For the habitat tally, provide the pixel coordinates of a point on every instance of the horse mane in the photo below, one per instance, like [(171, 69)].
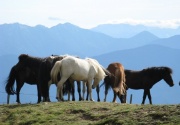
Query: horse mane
[(94, 62), (155, 69)]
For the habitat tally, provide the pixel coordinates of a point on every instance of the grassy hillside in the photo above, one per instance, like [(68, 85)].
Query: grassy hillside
[(89, 113)]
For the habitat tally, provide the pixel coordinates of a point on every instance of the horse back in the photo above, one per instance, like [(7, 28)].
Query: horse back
[(136, 79)]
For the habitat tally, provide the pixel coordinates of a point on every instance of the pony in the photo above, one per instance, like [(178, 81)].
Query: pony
[(147, 78), (116, 81), (73, 68), (25, 70)]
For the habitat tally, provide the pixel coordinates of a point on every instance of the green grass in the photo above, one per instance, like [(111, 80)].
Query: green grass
[(86, 113)]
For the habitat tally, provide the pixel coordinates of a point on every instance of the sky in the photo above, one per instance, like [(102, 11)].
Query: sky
[(90, 13)]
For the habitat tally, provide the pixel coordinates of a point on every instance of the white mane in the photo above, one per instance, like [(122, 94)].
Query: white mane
[(99, 67)]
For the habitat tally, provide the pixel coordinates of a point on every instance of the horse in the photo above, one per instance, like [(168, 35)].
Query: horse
[(28, 70), (73, 68), (116, 81), (45, 80), (147, 78)]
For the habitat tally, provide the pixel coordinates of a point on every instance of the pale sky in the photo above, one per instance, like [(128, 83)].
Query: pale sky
[(90, 13)]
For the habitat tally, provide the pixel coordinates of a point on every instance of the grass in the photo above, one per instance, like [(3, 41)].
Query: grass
[(87, 113)]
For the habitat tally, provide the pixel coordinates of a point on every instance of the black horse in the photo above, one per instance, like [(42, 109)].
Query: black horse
[(146, 78), (25, 70), (32, 70)]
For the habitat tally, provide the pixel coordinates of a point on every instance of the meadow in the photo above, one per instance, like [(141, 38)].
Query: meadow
[(86, 113)]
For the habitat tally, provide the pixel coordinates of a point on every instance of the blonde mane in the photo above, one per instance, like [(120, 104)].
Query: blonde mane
[(99, 67)]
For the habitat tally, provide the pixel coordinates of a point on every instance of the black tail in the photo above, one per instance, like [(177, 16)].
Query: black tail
[(10, 82)]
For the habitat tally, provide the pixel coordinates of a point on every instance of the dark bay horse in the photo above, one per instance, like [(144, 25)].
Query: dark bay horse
[(25, 70), (146, 78), (116, 81)]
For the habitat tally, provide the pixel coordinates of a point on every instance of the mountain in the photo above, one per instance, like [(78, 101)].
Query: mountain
[(173, 42), (62, 39), (137, 52), (144, 57), (127, 30)]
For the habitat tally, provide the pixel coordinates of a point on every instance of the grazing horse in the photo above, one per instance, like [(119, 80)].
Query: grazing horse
[(73, 68), (116, 81), (146, 78)]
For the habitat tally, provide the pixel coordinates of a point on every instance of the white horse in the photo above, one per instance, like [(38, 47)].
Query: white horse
[(77, 69)]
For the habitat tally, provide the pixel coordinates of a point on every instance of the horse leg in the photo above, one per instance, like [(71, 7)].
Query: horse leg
[(105, 92), (87, 96), (79, 90), (73, 90), (49, 84), (144, 96), (39, 93), (90, 89), (149, 96), (115, 95), (59, 94), (97, 90), (84, 89), (18, 89)]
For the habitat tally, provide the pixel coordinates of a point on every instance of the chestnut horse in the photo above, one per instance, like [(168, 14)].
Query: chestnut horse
[(116, 81)]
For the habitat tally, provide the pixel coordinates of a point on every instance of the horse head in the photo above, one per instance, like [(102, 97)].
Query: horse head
[(167, 76)]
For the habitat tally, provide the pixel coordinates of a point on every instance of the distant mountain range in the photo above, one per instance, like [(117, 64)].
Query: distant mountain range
[(67, 38), (140, 50), (127, 30)]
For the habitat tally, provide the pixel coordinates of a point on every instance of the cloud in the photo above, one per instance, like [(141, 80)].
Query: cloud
[(54, 19), (57, 19), (172, 23)]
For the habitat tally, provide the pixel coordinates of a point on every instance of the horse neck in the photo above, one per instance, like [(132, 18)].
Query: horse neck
[(157, 76)]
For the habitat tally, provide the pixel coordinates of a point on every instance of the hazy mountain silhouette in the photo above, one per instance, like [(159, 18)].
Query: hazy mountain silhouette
[(127, 30)]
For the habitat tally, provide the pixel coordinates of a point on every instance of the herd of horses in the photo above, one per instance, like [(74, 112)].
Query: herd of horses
[(65, 70)]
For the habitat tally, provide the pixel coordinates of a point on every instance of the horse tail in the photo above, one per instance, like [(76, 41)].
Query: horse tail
[(10, 82), (120, 79), (123, 81), (54, 72)]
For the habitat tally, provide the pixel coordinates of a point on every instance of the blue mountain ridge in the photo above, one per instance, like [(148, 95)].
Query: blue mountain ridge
[(140, 51), (128, 30)]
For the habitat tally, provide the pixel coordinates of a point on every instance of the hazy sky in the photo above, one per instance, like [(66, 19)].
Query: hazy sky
[(89, 13)]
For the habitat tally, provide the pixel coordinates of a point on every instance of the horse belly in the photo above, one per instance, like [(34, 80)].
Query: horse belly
[(80, 75)]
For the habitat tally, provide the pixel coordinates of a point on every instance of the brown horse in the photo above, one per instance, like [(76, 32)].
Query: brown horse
[(116, 80), (146, 78)]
